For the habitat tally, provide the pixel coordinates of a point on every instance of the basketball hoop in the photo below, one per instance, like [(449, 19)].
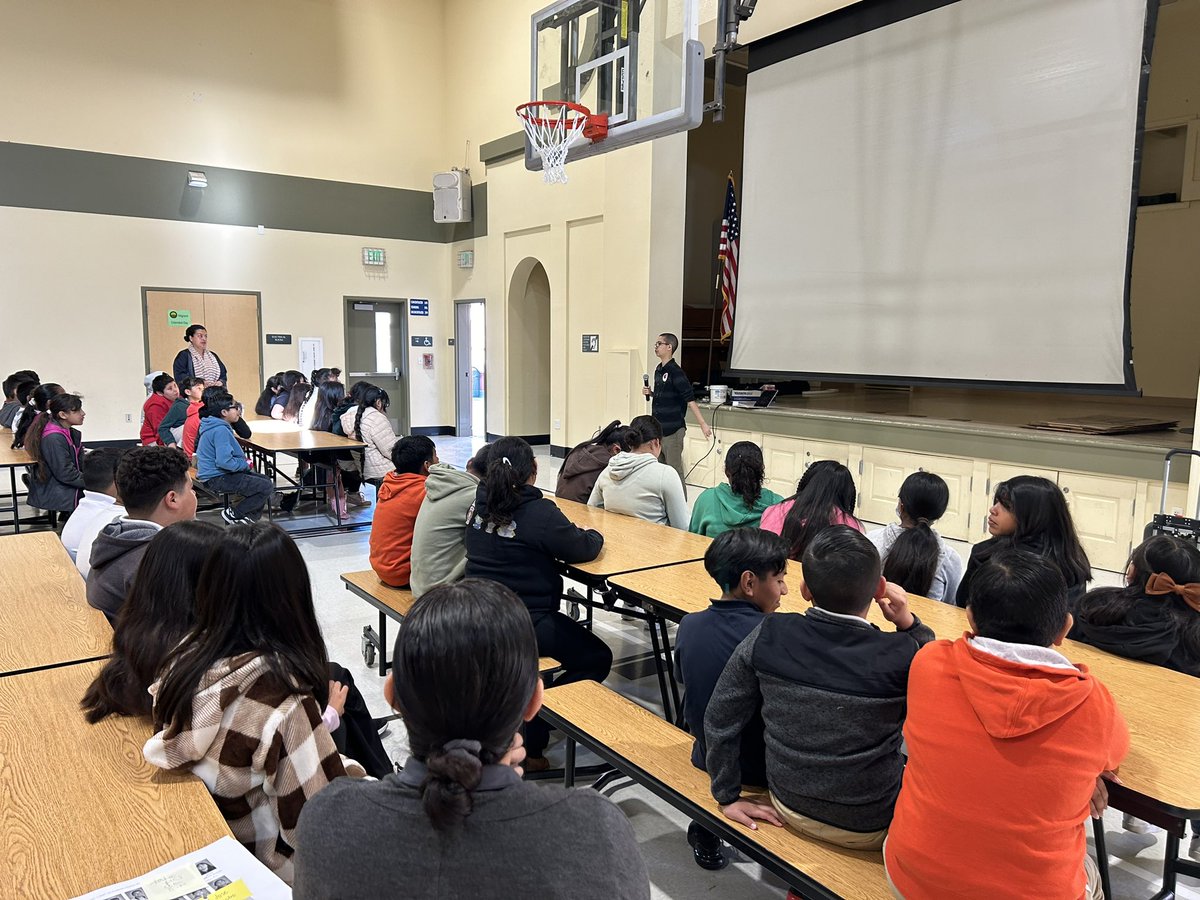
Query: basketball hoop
[(553, 126)]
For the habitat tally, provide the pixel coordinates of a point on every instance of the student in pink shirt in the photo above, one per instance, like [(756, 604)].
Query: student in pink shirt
[(825, 496)]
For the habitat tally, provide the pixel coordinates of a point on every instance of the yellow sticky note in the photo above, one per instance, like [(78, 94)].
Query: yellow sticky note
[(235, 891)]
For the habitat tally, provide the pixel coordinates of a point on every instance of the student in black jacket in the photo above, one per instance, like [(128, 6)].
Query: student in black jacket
[(517, 537)]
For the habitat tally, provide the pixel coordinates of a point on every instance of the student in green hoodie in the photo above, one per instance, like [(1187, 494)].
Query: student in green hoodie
[(738, 502), (439, 554)]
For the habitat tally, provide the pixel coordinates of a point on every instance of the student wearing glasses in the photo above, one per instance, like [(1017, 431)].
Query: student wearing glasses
[(672, 398)]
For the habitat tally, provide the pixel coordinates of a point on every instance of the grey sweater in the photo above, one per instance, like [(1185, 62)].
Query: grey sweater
[(116, 554), (832, 692), (373, 839)]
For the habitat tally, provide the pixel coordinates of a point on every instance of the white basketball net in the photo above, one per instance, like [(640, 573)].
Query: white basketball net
[(552, 128)]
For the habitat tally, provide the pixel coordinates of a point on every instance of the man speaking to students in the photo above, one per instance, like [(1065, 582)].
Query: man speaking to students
[(672, 393)]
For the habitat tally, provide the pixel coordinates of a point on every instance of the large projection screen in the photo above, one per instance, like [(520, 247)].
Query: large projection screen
[(946, 198)]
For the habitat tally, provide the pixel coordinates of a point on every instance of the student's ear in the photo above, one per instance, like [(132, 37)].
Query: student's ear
[(971, 622), (747, 583), (880, 589), (535, 702), (389, 690), (1062, 635), (805, 592)]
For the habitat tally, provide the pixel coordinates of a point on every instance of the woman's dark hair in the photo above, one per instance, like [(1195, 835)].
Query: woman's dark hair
[(478, 464), (1161, 553), (58, 405), (825, 490), (329, 396), (191, 332), (158, 612), (357, 390), (370, 396), (912, 562), (746, 470), (642, 430), (509, 468), (464, 670), (1044, 522), (613, 433), (274, 384), (253, 596), (297, 395), (37, 401)]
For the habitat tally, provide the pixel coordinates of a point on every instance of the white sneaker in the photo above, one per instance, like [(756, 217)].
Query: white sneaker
[(1137, 826)]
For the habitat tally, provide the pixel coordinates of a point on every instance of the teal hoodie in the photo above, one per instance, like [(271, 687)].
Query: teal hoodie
[(719, 509)]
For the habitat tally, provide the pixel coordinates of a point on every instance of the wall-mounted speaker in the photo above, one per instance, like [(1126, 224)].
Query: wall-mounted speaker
[(452, 196)]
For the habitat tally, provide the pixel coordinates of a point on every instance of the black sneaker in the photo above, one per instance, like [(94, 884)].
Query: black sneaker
[(706, 848), (288, 502)]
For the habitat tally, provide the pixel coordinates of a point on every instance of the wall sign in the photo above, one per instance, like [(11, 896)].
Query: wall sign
[(279, 338), (422, 340), (179, 318), (374, 256), (418, 307), (591, 343)]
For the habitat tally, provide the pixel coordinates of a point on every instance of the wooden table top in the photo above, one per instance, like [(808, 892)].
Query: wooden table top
[(82, 808), (46, 620), (10, 457), (1161, 707), (664, 752), (295, 439), (631, 543)]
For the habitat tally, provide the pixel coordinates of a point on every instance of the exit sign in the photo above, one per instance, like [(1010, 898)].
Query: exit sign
[(374, 256)]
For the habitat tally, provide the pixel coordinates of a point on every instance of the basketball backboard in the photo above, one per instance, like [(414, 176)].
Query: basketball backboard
[(638, 61)]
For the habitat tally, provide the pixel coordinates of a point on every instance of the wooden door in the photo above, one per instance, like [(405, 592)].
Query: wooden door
[(234, 335), (164, 336), (883, 473)]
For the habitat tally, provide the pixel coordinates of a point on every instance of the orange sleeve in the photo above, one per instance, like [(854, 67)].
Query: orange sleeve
[(1118, 741)]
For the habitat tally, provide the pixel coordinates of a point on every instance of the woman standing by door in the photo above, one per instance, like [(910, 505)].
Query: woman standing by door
[(198, 361)]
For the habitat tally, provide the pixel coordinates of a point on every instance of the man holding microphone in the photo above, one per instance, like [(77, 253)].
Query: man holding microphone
[(672, 394)]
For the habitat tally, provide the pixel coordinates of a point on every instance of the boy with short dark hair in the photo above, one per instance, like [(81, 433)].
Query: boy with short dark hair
[(154, 486), (399, 500), (170, 430), (1008, 743), (100, 505), (164, 392), (8, 411), (748, 565), (222, 465), (831, 687)]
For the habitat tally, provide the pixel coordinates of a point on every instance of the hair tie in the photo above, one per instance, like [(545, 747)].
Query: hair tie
[(921, 520), (1160, 583), (504, 459)]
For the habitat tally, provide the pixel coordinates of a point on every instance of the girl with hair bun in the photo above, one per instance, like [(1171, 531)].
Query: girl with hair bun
[(458, 821), (741, 500), (913, 553)]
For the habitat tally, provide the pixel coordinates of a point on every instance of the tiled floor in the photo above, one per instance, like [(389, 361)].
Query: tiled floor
[(660, 829)]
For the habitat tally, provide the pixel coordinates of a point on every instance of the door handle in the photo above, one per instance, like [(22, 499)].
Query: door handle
[(394, 374)]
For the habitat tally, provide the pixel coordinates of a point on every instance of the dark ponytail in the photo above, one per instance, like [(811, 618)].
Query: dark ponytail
[(39, 400), (510, 465), (641, 431), (370, 396), (825, 489), (464, 671), (745, 469), (62, 403), (912, 562)]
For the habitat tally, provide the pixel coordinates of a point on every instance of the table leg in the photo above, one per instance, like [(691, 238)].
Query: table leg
[(1102, 856), (1169, 872), (666, 645), (569, 765), (658, 668), (383, 663), (12, 480)]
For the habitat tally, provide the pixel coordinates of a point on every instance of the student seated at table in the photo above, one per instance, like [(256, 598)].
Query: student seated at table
[(191, 392), (239, 705), (38, 398), (439, 552), (326, 399), (748, 565), (191, 428), (635, 483), (53, 440), (914, 554), (831, 687), (164, 392), (741, 500), (368, 422), (279, 403), (583, 465), (100, 505), (156, 490), (12, 404), (824, 496), (400, 498), (1030, 513), (1007, 745), (222, 464), (519, 538), (458, 821)]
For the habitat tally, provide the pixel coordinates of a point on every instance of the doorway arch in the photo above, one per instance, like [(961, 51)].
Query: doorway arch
[(529, 350)]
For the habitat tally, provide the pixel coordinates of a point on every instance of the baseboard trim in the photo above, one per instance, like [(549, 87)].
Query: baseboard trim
[(434, 430), (96, 445), (528, 438)]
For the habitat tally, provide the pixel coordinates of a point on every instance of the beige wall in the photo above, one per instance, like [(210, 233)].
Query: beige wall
[(319, 88), (72, 285)]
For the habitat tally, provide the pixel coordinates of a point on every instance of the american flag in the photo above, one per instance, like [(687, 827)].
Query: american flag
[(727, 256)]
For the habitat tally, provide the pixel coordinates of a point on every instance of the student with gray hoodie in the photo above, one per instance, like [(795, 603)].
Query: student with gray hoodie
[(636, 484), (153, 483), (439, 550)]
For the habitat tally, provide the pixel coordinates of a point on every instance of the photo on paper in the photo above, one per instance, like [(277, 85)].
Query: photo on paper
[(203, 866), (198, 895), (136, 894), (220, 882)]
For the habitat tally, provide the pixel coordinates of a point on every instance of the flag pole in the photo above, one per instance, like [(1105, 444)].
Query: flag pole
[(718, 296)]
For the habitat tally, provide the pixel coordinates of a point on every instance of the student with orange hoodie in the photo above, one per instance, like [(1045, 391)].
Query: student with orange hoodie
[(1009, 744), (400, 497)]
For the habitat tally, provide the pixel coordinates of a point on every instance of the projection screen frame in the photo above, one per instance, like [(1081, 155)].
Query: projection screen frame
[(870, 15)]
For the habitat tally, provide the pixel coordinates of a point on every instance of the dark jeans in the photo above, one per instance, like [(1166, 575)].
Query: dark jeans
[(254, 489), (584, 657), (357, 737)]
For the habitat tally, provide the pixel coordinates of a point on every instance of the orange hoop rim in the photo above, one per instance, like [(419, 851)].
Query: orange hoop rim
[(595, 125), (527, 110)]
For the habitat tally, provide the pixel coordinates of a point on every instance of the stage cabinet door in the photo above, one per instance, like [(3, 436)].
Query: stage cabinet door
[(787, 458), (699, 464), (996, 473), (885, 470), (1103, 510)]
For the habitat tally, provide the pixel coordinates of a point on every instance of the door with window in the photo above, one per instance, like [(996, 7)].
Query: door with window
[(377, 351), (471, 380)]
